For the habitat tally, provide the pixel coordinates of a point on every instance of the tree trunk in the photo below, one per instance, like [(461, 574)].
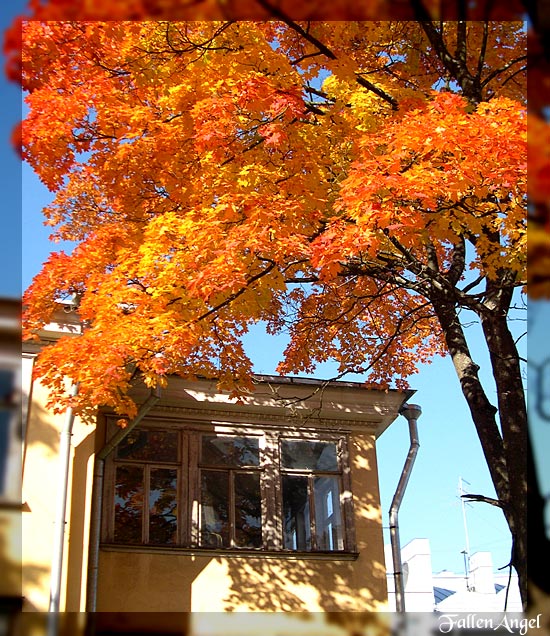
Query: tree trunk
[(504, 453), (513, 422)]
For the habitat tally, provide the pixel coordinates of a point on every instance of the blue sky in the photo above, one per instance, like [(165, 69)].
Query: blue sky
[(449, 447), (10, 175)]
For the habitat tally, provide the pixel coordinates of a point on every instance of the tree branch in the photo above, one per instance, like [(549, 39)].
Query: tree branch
[(483, 49), (484, 499), (377, 91), (324, 50), (458, 262), (236, 294), (498, 71), (281, 15)]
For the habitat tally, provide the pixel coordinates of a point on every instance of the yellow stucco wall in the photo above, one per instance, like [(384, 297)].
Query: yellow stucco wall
[(10, 552), (41, 484), (141, 581)]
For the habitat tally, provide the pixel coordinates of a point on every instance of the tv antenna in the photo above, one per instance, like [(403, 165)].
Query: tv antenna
[(466, 551)]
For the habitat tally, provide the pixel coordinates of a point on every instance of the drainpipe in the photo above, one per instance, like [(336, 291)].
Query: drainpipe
[(97, 498), (411, 412), (61, 507)]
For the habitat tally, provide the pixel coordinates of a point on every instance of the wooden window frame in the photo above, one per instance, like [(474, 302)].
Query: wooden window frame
[(231, 471), (344, 477), (108, 519), (271, 472)]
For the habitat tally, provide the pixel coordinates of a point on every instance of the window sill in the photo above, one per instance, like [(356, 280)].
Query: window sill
[(13, 504), (264, 554)]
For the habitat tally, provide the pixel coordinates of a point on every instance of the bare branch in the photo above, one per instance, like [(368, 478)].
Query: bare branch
[(484, 499), (503, 69)]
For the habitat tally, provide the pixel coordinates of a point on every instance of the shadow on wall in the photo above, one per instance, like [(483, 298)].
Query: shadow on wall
[(36, 624), (77, 560), (151, 582), (11, 572), (41, 430), (40, 489), (164, 582), (10, 553), (288, 585), (269, 585)]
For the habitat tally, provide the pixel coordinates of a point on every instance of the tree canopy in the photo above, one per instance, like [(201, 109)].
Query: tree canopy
[(210, 171), (357, 184)]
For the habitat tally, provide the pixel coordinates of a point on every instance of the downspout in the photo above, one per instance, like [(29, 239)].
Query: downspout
[(411, 412), (97, 498), (61, 507)]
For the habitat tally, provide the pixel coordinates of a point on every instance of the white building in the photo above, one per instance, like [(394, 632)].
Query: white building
[(482, 591)]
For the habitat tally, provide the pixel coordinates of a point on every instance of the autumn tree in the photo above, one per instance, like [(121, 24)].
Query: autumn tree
[(359, 185)]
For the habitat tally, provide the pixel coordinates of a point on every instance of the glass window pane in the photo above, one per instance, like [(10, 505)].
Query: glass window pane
[(328, 520), (248, 510), (5, 419), (128, 504), (296, 513), (309, 455), (214, 509), (230, 451), (163, 523), (7, 383), (149, 445), (7, 410)]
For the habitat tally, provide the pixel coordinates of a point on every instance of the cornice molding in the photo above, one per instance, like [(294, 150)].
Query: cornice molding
[(245, 418)]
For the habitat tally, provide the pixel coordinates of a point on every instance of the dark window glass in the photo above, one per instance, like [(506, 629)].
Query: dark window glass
[(7, 409), (329, 530), (148, 510), (248, 510), (309, 455), (5, 418), (215, 508), (163, 524), (152, 446), (6, 388), (230, 451), (129, 504), (296, 513)]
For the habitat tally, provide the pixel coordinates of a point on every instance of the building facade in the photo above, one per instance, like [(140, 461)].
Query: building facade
[(446, 592), (11, 435), (206, 503)]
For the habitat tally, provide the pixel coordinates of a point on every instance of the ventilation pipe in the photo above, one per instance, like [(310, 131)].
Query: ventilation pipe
[(411, 412), (97, 498)]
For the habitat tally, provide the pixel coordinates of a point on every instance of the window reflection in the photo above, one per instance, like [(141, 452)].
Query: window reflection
[(215, 509), (145, 445), (231, 498), (296, 514), (309, 455), (312, 516), (129, 504), (248, 510), (230, 451), (163, 523), (301, 494)]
